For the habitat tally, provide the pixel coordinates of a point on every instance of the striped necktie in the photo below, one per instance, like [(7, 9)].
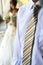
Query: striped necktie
[(29, 36)]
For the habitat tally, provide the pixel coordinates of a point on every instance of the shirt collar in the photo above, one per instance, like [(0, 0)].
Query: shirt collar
[(37, 3), (30, 4)]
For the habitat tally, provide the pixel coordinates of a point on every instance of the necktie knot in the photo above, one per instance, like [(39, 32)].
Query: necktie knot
[(36, 9)]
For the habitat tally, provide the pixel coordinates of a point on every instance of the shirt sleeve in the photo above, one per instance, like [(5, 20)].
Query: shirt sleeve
[(16, 60)]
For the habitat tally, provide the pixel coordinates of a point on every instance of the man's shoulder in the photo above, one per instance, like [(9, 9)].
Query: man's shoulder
[(22, 9), (25, 7)]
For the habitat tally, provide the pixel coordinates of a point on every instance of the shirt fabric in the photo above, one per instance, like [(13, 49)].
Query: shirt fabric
[(37, 55), (24, 15)]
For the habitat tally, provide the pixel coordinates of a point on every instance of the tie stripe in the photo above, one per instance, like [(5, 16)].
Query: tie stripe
[(28, 42), (29, 38)]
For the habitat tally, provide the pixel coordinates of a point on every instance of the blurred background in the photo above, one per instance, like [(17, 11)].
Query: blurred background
[(4, 5)]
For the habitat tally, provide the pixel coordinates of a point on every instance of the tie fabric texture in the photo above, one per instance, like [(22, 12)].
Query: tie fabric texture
[(29, 37)]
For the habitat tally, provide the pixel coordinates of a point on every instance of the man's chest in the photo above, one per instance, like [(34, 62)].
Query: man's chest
[(26, 20)]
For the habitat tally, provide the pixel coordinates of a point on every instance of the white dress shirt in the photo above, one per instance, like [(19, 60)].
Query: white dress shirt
[(24, 15)]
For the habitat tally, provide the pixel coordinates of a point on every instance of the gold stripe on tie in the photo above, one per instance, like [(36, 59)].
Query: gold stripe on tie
[(29, 38), (28, 42)]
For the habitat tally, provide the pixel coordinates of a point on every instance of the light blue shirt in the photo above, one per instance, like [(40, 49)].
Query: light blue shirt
[(37, 55), (24, 15)]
